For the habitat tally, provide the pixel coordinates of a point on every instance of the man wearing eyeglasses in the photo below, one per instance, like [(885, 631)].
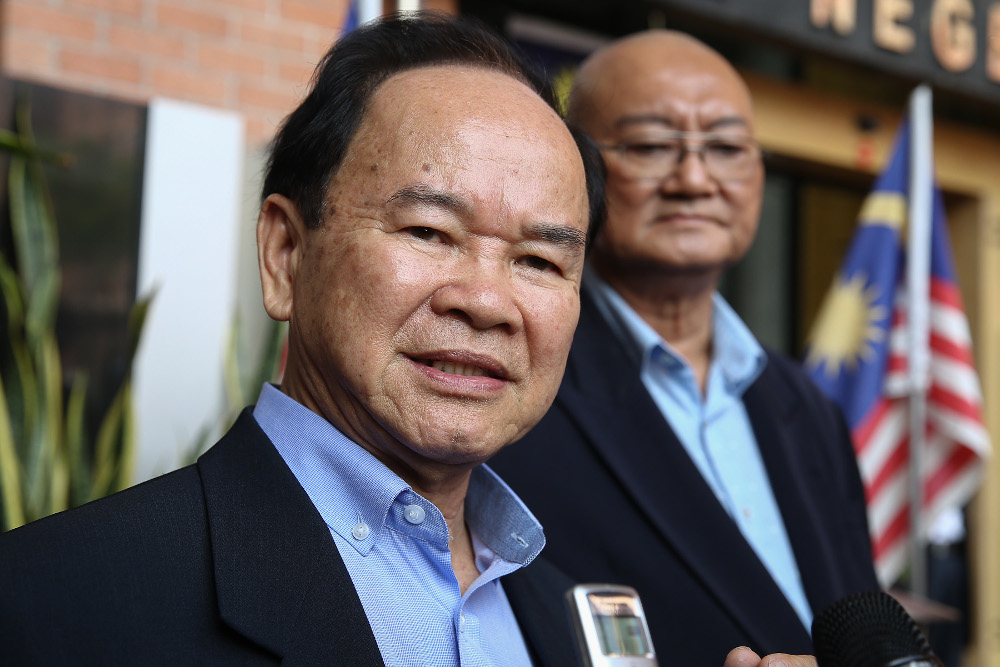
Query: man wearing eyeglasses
[(680, 456)]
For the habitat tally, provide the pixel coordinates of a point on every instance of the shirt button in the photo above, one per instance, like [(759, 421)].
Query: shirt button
[(360, 531), (414, 514), (461, 622)]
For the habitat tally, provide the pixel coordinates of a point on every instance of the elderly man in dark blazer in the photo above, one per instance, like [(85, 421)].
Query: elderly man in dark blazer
[(423, 229), (681, 457)]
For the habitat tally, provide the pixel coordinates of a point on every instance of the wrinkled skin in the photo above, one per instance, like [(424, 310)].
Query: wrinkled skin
[(690, 222), (432, 311)]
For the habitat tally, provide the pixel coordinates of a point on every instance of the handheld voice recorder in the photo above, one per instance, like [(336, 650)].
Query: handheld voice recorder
[(610, 626)]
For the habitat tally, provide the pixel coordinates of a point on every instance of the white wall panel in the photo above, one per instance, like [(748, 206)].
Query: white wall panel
[(188, 254)]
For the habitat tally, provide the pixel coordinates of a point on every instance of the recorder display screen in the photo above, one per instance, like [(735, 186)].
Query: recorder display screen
[(618, 625)]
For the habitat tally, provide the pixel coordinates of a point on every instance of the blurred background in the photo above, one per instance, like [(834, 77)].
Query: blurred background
[(165, 108)]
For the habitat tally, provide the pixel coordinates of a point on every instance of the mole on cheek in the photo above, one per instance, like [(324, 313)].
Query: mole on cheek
[(426, 167), (374, 167)]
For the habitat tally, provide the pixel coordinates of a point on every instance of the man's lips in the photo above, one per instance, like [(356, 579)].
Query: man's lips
[(463, 364), (681, 217), (455, 368)]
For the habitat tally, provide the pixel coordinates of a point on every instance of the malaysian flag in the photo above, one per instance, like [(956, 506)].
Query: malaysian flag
[(857, 354)]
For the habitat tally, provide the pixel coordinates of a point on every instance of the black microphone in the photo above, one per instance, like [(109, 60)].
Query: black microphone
[(870, 629)]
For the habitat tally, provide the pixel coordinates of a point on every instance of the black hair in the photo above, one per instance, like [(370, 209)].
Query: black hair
[(311, 144), (596, 172)]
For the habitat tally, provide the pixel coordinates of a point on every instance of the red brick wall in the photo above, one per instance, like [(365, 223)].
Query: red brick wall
[(253, 56)]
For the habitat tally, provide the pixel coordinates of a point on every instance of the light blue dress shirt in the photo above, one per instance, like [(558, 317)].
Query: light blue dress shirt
[(395, 545), (714, 428)]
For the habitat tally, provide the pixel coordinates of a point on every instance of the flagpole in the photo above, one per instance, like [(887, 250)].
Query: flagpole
[(368, 10), (918, 316)]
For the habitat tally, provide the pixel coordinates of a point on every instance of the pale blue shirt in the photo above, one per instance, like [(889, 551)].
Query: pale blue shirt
[(715, 428), (395, 545)]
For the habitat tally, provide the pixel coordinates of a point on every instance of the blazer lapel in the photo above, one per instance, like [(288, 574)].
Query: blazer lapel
[(280, 580), (792, 459), (602, 384), (537, 596)]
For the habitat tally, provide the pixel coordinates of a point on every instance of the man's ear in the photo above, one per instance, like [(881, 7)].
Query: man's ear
[(280, 244)]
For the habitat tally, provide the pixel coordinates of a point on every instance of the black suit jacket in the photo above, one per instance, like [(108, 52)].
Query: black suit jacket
[(223, 562), (621, 501)]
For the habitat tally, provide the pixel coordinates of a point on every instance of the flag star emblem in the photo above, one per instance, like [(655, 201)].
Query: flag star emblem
[(849, 325)]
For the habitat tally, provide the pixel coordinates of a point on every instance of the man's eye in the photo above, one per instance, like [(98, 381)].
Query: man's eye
[(538, 263), (726, 149), (425, 233), (652, 149)]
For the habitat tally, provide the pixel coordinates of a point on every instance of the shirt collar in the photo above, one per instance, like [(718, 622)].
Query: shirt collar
[(736, 353), (349, 486), (500, 519)]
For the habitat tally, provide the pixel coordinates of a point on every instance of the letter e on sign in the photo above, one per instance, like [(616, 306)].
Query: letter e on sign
[(888, 32)]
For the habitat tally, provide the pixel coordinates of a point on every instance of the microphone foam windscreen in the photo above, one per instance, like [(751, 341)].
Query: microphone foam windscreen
[(869, 629)]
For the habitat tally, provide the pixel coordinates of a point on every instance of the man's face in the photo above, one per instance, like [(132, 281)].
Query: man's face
[(689, 220), (433, 310)]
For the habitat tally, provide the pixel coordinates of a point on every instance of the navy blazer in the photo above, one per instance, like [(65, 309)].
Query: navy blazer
[(223, 562), (622, 502)]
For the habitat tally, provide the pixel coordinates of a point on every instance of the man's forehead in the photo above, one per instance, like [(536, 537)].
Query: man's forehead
[(452, 87), (657, 50), (711, 118), (659, 74), (706, 82), (453, 137), (426, 106)]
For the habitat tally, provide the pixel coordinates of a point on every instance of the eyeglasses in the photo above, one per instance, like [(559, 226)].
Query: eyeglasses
[(657, 156)]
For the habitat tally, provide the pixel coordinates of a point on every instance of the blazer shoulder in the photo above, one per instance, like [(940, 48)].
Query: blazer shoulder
[(786, 376), (787, 398), (788, 370), (97, 571), (170, 504)]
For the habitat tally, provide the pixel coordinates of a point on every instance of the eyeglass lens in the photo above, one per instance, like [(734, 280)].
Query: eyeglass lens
[(724, 158)]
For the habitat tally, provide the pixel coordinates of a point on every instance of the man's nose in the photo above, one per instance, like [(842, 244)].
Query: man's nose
[(482, 294), (691, 176)]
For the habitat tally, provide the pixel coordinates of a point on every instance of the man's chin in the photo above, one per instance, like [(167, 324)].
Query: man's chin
[(457, 446)]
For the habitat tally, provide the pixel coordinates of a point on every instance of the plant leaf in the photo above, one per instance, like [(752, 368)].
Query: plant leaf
[(10, 471), (80, 482)]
